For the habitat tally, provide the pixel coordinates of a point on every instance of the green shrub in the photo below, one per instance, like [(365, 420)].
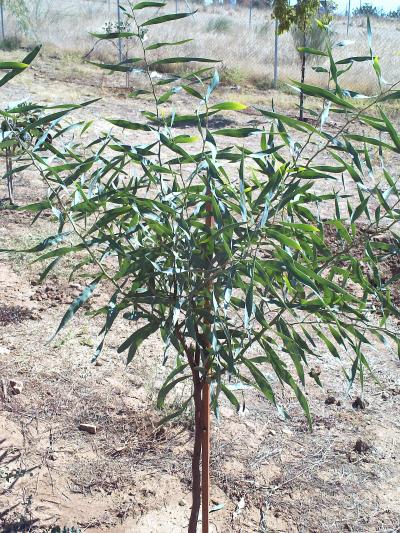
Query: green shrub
[(394, 14), (11, 43), (219, 24), (262, 83), (233, 76)]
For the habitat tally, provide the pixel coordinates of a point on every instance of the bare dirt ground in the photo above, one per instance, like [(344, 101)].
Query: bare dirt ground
[(131, 476)]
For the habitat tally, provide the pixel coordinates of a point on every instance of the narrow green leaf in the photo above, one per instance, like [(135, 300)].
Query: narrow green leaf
[(175, 414), (261, 381), (174, 60), (76, 305), (229, 106), (192, 92), (166, 18), (155, 46), (26, 61), (135, 340), (311, 51), (11, 65), (114, 35), (46, 243), (128, 125), (237, 132), (119, 67), (143, 5), (356, 59), (167, 387), (138, 92), (318, 92), (231, 397)]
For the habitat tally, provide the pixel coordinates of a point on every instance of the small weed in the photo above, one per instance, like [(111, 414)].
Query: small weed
[(65, 339), (263, 83), (233, 76)]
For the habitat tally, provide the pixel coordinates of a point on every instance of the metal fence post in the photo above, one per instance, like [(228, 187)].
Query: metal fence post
[(3, 35), (276, 54), (348, 16), (250, 11), (119, 29)]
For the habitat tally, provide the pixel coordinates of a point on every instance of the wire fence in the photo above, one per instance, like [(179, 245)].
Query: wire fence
[(112, 10)]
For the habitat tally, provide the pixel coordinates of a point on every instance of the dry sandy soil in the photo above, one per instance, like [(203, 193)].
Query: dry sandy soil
[(130, 476)]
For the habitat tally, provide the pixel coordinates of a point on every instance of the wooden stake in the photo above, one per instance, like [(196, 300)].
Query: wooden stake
[(205, 458)]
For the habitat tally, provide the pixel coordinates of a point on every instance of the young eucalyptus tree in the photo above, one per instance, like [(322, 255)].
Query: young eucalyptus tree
[(13, 134), (220, 247), (25, 127)]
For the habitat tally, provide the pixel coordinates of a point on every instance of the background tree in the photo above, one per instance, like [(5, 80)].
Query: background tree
[(330, 6), (300, 16), (367, 10), (221, 249), (314, 38), (283, 14), (17, 8)]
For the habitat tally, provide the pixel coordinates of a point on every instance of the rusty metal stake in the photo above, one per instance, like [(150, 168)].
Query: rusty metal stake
[(205, 457)]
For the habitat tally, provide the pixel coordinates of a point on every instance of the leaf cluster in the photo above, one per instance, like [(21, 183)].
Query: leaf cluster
[(301, 14), (221, 245)]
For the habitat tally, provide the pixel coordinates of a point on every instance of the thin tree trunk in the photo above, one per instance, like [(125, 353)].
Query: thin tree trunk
[(205, 399), (201, 449), (196, 478), (193, 357)]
